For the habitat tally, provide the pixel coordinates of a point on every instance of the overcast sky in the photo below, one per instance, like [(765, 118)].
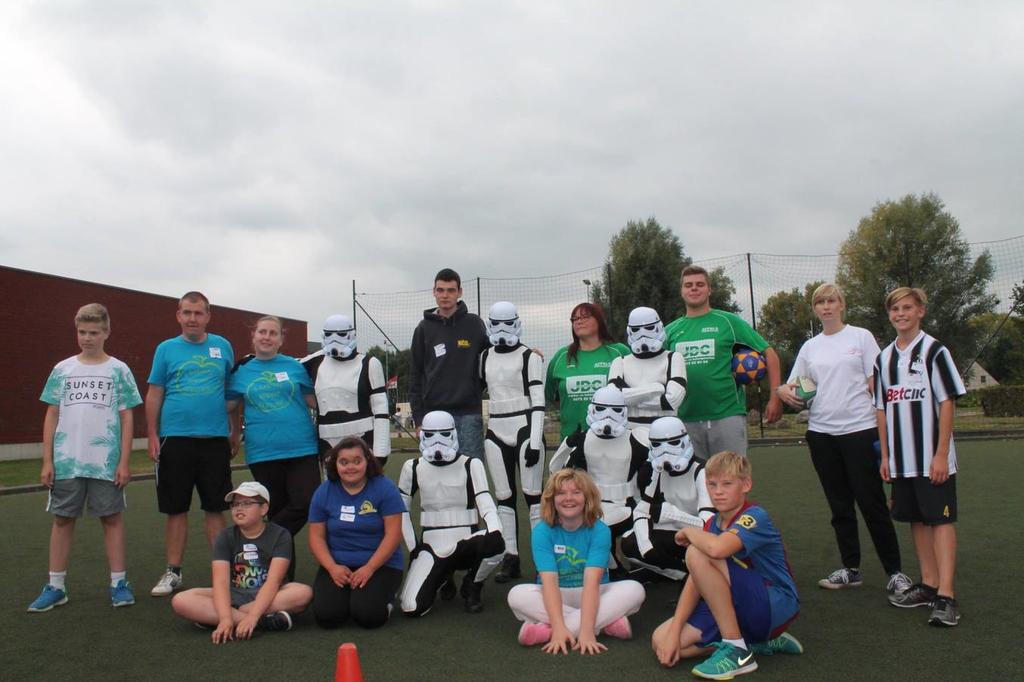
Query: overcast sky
[(268, 153)]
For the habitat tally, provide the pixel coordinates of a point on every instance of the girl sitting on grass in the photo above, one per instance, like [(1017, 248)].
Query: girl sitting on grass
[(574, 600)]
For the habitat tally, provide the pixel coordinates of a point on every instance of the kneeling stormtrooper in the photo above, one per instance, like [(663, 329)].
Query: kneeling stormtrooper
[(652, 379), (673, 494), (454, 497), (610, 453), (514, 377), (350, 390)]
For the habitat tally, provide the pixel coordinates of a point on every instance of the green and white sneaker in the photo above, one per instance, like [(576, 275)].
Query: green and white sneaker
[(726, 663), (783, 644)]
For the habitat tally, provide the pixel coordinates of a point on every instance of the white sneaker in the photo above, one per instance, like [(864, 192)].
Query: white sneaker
[(169, 582), (899, 583)]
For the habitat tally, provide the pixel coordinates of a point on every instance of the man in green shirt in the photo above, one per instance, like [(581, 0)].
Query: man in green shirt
[(714, 409)]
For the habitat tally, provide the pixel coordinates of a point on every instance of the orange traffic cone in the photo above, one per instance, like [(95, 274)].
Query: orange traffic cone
[(348, 668)]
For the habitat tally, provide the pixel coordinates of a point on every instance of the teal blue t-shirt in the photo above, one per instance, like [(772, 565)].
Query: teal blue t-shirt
[(570, 552), (278, 424), (193, 376)]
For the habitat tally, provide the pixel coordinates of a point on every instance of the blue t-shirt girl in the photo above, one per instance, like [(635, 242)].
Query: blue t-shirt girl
[(277, 418), (355, 523)]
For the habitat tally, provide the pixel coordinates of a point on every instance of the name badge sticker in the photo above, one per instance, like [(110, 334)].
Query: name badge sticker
[(439, 350), (281, 376), (248, 547), (347, 517), (559, 549), (251, 556), (214, 352), (348, 509)]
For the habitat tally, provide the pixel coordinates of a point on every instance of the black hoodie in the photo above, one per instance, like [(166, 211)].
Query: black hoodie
[(444, 371)]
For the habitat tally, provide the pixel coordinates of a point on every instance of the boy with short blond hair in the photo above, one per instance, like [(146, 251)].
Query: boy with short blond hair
[(741, 595), (916, 384), (87, 438)]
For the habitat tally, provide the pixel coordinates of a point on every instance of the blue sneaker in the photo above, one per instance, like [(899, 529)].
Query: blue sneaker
[(727, 662), (47, 599), (121, 594)]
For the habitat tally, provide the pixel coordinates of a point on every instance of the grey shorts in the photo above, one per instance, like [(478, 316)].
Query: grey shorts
[(711, 437), (70, 496)]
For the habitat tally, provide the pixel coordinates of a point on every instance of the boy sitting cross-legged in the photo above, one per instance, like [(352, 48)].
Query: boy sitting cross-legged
[(741, 596), (250, 565)]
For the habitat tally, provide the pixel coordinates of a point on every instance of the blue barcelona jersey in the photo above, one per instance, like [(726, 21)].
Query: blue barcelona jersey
[(278, 424), (193, 377), (763, 553)]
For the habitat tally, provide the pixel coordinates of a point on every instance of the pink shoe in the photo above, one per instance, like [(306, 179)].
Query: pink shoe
[(534, 633), (619, 629)]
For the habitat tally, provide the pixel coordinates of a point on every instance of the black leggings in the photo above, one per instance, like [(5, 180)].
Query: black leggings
[(291, 483), (847, 467), (369, 606)]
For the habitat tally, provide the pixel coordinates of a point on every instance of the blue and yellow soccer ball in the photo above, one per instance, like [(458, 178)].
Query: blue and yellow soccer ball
[(748, 366)]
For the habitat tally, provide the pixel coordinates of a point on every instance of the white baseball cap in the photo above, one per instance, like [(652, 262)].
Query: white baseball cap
[(249, 489)]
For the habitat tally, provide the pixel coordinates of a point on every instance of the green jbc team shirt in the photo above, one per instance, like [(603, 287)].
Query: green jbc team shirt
[(706, 343), (573, 383)]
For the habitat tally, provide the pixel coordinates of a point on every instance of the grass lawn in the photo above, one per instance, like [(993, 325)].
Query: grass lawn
[(848, 635)]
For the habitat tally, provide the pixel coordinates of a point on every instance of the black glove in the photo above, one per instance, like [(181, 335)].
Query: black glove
[(531, 457)]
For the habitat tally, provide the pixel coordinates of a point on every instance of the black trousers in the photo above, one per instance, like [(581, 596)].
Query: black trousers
[(291, 483), (848, 470), (369, 606)]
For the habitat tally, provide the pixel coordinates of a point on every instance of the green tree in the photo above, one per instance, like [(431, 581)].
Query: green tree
[(915, 242), (1003, 357), (787, 320), (642, 269)]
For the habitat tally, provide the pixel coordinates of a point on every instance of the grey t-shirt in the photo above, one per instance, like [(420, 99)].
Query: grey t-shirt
[(250, 558)]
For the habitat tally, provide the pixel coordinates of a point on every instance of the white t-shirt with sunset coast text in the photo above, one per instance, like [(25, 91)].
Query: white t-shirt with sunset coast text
[(87, 442)]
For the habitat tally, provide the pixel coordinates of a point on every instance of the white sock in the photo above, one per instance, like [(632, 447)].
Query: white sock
[(57, 579), (116, 577), (737, 643)]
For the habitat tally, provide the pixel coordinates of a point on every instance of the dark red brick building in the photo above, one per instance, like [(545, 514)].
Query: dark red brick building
[(37, 319)]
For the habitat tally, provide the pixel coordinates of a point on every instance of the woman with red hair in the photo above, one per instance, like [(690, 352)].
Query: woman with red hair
[(576, 371)]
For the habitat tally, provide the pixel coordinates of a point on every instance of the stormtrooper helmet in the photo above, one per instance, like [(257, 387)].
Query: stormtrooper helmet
[(606, 415), (503, 324), (439, 443), (670, 446), (644, 331), (339, 340)]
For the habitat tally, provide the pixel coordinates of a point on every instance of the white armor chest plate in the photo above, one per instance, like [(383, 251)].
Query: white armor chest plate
[(681, 491), (640, 371), (608, 463), (504, 375), (337, 385), (442, 487)]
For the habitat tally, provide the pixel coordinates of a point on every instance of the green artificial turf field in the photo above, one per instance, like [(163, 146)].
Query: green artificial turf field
[(848, 635)]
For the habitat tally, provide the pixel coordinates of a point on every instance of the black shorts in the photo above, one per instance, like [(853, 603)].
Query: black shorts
[(186, 462), (916, 500)]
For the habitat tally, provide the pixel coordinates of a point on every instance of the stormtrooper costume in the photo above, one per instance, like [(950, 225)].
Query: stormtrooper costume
[(350, 390), (454, 498), (610, 453), (514, 377), (653, 380), (673, 495)]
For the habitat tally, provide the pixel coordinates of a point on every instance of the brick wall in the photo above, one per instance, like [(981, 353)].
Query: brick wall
[(37, 328)]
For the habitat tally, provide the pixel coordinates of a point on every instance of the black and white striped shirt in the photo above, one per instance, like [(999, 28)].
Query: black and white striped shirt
[(910, 385)]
